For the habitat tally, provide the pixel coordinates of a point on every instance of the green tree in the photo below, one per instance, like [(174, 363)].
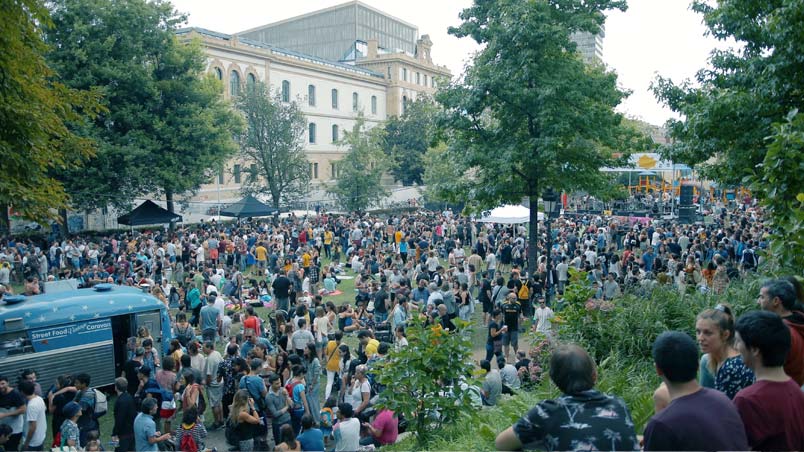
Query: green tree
[(360, 172), (423, 380), (274, 141), (408, 137), (782, 192), (438, 171), (35, 113), (166, 127), (739, 123), (528, 112), (729, 112)]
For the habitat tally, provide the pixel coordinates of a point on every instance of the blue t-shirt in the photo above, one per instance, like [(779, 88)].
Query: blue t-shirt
[(298, 390), (209, 317), (254, 385), (144, 428), (312, 440)]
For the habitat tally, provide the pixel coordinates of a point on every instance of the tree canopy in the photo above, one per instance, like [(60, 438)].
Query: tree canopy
[(166, 127), (407, 138), (528, 112), (36, 112), (739, 121), (360, 172), (274, 140)]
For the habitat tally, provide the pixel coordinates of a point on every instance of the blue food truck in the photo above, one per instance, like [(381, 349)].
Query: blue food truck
[(74, 331)]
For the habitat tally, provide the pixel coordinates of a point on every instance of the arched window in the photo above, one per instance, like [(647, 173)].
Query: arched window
[(285, 91), (311, 132), (219, 73), (251, 81), (311, 95), (354, 101), (234, 84), (335, 99), (373, 105), (335, 135)]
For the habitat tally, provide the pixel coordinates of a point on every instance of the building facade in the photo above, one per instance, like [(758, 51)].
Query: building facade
[(377, 83)]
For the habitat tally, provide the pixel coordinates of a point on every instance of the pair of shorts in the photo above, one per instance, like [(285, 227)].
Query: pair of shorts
[(511, 337), (488, 306), (214, 394)]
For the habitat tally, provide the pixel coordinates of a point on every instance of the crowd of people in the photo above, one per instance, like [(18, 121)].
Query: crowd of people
[(266, 386)]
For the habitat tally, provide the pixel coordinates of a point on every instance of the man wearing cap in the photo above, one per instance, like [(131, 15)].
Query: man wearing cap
[(69, 428)]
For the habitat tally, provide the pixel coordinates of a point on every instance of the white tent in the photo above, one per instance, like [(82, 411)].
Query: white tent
[(509, 214)]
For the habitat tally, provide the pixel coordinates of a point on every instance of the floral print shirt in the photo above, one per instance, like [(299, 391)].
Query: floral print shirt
[(590, 420), (732, 376)]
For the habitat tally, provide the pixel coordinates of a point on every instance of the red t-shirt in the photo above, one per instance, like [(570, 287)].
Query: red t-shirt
[(794, 366), (773, 414), (251, 322), (388, 425)]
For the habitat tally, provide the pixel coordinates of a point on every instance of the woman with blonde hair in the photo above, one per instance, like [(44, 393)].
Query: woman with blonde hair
[(714, 330), (243, 418)]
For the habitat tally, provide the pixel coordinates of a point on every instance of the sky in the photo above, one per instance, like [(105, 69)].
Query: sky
[(653, 37)]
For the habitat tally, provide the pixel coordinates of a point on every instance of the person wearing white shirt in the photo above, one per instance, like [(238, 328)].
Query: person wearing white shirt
[(563, 273), (35, 418), (542, 317)]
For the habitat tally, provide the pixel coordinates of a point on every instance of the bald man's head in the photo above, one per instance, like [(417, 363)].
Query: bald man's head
[(572, 369)]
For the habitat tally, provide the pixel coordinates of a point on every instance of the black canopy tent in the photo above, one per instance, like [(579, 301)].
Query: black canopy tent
[(148, 213), (248, 207)]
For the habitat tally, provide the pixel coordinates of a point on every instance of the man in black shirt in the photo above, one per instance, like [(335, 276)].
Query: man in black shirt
[(484, 296), (281, 286), (131, 368), (494, 337), (125, 410), (12, 411), (511, 310), (381, 304)]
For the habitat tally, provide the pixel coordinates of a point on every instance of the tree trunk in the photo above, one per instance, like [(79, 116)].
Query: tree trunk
[(65, 226), (533, 234), (170, 206), (5, 221)]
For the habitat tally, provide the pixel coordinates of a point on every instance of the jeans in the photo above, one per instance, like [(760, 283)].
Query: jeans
[(246, 446)]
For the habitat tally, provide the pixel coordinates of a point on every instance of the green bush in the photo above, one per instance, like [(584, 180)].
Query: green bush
[(419, 380)]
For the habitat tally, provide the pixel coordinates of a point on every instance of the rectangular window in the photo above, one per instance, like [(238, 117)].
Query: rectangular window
[(315, 170), (236, 172), (311, 95), (335, 99), (220, 177), (354, 102), (425, 79), (311, 132), (333, 170), (285, 91), (253, 170), (335, 135), (405, 74), (418, 78), (373, 105)]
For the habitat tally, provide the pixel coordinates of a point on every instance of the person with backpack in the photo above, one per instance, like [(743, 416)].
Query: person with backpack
[(254, 385), (87, 398), (297, 390), (190, 435)]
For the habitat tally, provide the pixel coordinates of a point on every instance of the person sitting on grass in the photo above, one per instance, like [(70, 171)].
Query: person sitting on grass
[(580, 419)]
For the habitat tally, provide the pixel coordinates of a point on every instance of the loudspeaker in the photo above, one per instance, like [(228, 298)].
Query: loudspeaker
[(686, 195), (687, 214)]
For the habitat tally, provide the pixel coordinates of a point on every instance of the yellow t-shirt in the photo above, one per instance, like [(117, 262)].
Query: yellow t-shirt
[(371, 347), (306, 260), (398, 237), (334, 355), (261, 253), (328, 238)]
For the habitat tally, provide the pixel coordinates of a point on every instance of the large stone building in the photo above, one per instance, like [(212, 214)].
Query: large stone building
[(335, 63)]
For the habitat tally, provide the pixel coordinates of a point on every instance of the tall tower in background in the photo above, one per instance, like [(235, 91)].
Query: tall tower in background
[(590, 45)]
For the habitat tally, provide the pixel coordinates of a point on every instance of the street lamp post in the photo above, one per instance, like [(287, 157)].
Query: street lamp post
[(549, 197)]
